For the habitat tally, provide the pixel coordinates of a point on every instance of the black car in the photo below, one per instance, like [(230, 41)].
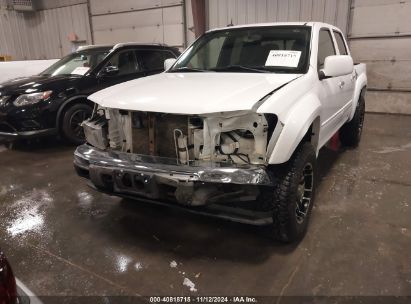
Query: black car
[(55, 101)]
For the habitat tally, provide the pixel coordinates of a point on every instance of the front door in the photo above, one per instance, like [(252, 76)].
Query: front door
[(152, 60), (121, 67)]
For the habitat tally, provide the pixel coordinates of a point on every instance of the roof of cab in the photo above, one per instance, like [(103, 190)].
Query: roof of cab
[(308, 23)]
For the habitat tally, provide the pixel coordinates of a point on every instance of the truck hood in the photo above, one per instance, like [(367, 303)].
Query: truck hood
[(191, 93)]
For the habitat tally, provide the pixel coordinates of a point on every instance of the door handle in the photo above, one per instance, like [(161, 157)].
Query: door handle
[(341, 84), (354, 76)]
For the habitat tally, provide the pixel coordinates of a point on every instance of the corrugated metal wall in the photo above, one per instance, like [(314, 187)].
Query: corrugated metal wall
[(43, 34), (48, 4), (381, 36), (224, 12), (159, 21)]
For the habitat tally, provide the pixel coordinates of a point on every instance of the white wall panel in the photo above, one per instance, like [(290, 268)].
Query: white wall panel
[(380, 32), (388, 102), (272, 10), (173, 26), (330, 12), (222, 12), (101, 7), (367, 3), (128, 20), (306, 9), (381, 49), (343, 15), (389, 75), (318, 9), (14, 69), (282, 11), (157, 21), (49, 4), (381, 20), (294, 10)]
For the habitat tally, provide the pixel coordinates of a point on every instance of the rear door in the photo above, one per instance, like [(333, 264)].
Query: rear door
[(152, 60), (347, 82)]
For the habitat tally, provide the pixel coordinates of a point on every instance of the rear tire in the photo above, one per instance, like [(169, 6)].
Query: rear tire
[(350, 133), (294, 194), (72, 119)]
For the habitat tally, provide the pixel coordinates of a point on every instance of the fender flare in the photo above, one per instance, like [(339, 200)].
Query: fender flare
[(360, 89), (306, 111), (63, 106)]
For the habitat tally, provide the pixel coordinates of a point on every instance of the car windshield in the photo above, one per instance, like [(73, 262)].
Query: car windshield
[(279, 49), (77, 63)]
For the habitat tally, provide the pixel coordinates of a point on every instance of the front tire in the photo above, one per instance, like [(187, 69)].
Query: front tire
[(294, 194), (72, 119), (350, 132)]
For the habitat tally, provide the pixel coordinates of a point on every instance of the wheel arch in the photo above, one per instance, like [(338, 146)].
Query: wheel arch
[(301, 125), (67, 104), (361, 84)]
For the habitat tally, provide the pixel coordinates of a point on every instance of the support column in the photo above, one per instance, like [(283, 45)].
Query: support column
[(199, 17)]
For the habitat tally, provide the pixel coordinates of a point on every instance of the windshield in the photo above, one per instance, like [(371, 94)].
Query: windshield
[(261, 49), (77, 63)]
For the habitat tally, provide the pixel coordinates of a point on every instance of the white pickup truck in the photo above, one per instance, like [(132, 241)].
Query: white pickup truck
[(233, 127)]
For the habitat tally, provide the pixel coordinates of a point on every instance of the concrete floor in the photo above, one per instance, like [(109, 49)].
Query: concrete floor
[(64, 238)]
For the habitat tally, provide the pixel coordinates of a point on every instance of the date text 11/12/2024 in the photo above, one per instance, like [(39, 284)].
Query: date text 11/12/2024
[(203, 299)]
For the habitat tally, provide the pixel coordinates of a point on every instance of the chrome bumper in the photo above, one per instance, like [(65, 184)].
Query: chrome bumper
[(88, 158), (150, 179)]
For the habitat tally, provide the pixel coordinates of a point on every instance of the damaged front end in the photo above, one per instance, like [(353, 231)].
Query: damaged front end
[(213, 159)]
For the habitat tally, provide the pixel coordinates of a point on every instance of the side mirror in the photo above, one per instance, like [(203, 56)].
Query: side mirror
[(109, 71), (168, 63), (338, 65)]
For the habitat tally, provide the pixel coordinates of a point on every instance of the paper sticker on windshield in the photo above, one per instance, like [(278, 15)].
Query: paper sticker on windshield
[(80, 70), (283, 58)]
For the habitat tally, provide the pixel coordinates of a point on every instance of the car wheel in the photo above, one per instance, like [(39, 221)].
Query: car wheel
[(72, 119), (294, 194), (350, 133)]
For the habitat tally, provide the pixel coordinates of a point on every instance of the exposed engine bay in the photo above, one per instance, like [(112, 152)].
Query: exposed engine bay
[(193, 160), (240, 138)]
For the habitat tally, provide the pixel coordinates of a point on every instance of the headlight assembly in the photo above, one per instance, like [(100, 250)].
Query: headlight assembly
[(32, 98), (3, 100)]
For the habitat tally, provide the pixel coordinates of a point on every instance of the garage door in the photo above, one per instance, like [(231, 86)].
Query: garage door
[(380, 35), (145, 21)]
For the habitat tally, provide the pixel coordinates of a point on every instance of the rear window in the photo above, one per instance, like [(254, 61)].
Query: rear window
[(340, 42)]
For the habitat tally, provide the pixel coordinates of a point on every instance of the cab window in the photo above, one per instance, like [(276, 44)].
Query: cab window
[(325, 47)]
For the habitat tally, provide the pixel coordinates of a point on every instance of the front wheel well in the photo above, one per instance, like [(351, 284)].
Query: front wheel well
[(287, 140), (67, 105), (313, 132)]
